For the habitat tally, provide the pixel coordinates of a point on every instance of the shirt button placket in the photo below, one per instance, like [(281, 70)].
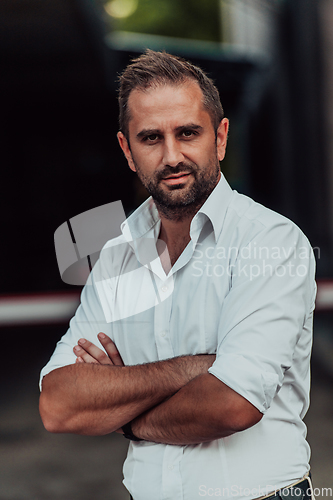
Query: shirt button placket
[(171, 478), (162, 320)]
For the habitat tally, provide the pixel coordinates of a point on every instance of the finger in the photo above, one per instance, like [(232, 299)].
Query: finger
[(96, 352), (79, 360), (111, 349), (83, 355)]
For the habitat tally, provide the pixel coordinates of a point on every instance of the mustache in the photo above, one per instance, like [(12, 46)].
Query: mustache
[(180, 168)]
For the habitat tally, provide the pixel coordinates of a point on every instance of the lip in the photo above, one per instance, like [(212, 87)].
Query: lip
[(177, 179)]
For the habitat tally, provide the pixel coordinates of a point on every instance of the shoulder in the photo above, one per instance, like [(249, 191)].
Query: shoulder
[(112, 259), (247, 220), (248, 210)]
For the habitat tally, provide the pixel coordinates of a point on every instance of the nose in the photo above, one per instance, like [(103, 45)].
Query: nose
[(172, 154)]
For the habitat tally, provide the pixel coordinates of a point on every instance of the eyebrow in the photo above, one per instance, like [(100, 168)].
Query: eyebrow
[(148, 131), (189, 126), (152, 131)]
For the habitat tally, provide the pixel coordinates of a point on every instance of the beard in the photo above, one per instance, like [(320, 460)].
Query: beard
[(176, 202)]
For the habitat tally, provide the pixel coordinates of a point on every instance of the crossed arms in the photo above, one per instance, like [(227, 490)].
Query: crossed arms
[(175, 401)]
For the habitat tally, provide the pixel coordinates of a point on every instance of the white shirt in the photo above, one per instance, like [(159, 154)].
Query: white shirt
[(244, 289)]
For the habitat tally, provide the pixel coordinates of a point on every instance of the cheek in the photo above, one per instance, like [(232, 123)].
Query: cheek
[(147, 160), (202, 152), (205, 161)]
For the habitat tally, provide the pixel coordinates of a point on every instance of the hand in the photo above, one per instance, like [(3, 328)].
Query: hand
[(87, 352)]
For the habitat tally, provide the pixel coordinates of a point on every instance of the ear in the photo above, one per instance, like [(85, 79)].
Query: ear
[(222, 138), (126, 150)]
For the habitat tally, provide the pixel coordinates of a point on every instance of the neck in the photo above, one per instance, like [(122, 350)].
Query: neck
[(173, 230), (176, 235), (176, 222)]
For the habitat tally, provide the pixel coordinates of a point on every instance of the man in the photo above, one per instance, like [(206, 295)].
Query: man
[(205, 307)]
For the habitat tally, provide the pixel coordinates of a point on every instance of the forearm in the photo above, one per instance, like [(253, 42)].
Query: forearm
[(204, 410), (98, 399)]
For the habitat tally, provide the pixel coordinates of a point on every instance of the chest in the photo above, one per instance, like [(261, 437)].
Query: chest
[(162, 318)]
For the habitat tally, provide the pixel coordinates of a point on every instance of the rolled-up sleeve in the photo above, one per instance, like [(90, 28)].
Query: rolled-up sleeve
[(269, 306)]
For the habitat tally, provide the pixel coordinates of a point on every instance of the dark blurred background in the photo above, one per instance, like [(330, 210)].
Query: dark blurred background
[(272, 61)]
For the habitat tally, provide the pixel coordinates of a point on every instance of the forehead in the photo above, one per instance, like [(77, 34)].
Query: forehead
[(166, 106)]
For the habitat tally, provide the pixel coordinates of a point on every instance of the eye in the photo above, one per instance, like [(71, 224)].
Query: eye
[(151, 138), (188, 133)]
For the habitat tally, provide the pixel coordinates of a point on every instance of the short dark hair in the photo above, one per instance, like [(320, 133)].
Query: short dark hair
[(160, 68)]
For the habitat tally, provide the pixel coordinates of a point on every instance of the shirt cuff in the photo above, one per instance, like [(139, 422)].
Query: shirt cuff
[(240, 374)]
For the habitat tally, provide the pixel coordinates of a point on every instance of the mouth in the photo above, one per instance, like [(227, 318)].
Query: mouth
[(177, 178)]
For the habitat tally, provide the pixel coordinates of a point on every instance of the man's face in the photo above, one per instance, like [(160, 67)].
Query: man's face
[(173, 147)]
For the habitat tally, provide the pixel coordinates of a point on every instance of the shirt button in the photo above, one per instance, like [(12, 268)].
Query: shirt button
[(163, 334), (170, 467), (164, 288)]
